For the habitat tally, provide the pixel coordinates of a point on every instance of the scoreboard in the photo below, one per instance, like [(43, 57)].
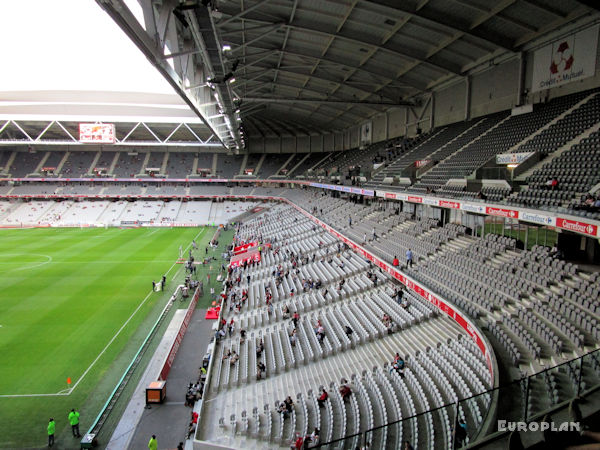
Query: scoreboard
[(97, 133)]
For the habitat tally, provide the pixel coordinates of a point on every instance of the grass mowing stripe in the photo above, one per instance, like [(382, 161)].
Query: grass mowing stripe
[(54, 320), (124, 325), (78, 291), (18, 415)]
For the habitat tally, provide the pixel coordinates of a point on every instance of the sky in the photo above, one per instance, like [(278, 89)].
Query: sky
[(70, 45)]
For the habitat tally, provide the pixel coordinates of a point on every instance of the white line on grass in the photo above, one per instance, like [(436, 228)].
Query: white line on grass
[(153, 231), (70, 390), (31, 265)]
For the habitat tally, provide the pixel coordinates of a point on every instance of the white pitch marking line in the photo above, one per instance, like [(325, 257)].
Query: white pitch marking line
[(28, 266), (70, 390), (153, 231)]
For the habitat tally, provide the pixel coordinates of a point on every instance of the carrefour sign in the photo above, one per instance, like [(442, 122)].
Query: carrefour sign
[(542, 219)]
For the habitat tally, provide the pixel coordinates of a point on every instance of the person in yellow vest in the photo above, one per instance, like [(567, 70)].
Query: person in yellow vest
[(153, 445), (51, 429), (74, 421)]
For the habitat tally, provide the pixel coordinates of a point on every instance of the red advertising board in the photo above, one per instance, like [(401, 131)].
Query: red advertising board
[(242, 248), (510, 213), (577, 226), (413, 199), (249, 256), (448, 309), (448, 204)]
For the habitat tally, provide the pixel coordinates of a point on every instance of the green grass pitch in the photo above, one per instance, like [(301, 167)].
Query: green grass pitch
[(64, 296)]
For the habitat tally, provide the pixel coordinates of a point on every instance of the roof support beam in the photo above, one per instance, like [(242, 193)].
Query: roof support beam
[(285, 39), (243, 13), (124, 18), (283, 125), (445, 21), (319, 101), (272, 29), (269, 127), (338, 84), (312, 28), (377, 77)]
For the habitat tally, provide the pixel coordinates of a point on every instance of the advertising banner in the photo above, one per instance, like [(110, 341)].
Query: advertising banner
[(568, 59), (366, 131), (512, 158)]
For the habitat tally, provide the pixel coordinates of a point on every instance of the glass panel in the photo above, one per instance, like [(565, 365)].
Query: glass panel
[(590, 376)]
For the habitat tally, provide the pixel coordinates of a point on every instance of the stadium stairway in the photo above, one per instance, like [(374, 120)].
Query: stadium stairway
[(94, 163)]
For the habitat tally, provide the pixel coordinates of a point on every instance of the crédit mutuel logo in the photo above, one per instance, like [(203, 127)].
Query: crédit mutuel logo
[(562, 60), (504, 425)]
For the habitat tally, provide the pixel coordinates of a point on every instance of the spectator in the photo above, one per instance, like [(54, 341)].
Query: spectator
[(409, 258), (260, 369), (298, 444), (320, 331), (460, 434), (398, 359), (191, 430), (345, 391), (348, 331), (289, 404), (322, 398), (395, 262), (259, 349), (399, 294), (314, 438), (551, 183)]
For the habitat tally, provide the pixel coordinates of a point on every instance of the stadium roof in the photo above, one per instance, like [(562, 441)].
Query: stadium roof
[(276, 67), (71, 64), (330, 64)]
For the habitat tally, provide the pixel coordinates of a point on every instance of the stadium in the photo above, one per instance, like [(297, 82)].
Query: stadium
[(261, 224)]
